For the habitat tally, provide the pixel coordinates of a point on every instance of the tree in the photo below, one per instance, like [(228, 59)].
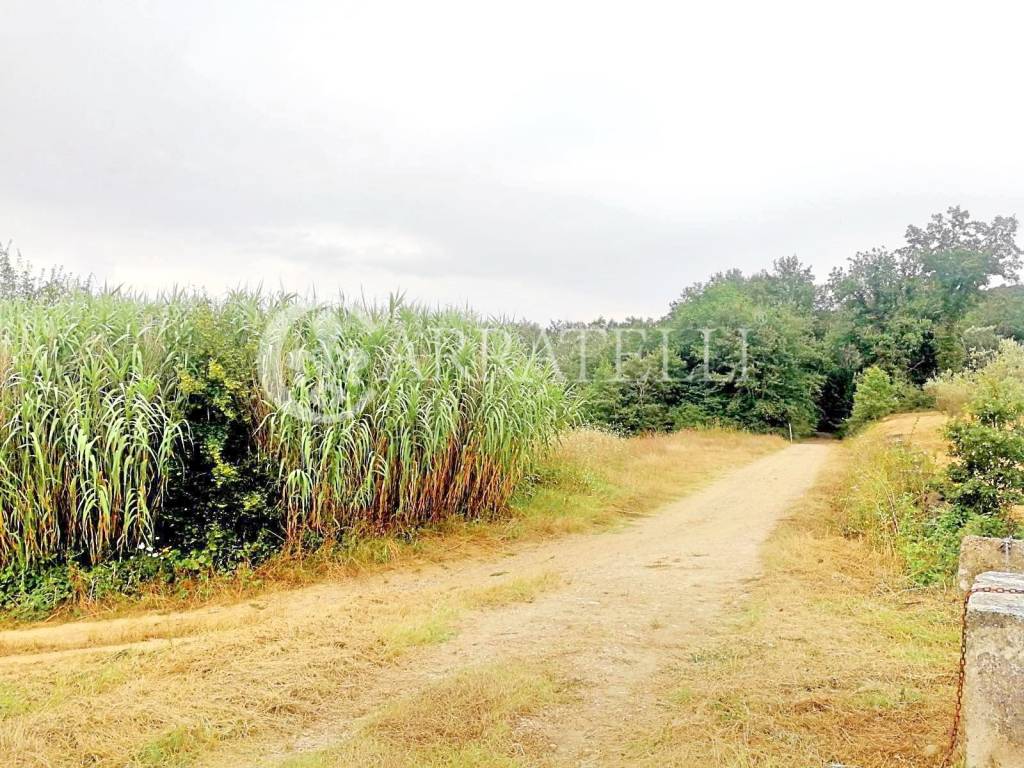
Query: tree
[(902, 309), (789, 283), (1000, 309), (879, 316), (993, 246), (876, 396), (18, 281), (753, 363)]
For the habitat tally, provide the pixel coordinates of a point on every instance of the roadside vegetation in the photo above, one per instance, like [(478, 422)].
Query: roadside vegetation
[(839, 657), (146, 447), (780, 349), (917, 504), (591, 480), (173, 689), (847, 652), (138, 445)]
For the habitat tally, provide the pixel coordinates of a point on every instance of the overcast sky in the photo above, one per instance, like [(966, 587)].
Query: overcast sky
[(539, 159)]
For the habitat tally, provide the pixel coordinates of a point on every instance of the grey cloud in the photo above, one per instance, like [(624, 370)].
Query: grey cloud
[(107, 122)]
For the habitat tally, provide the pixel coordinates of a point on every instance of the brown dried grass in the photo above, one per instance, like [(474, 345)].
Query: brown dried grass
[(253, 672), (835, 659)]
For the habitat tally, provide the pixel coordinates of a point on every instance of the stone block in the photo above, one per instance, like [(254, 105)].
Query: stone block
[(993, 715), (983, 553)]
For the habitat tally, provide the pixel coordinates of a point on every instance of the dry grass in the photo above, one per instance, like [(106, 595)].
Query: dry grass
[(520, 590), (924, 431), (164, 704), (833, 659), (419, 627), (168, 704), (836, 659), (596, 480), (478, 717), (237, 676)]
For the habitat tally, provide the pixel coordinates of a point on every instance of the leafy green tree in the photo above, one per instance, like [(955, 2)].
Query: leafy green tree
[(789, 283), (751, 363), (957, 258), (1000, 309), (961, 255), (903, 309), (876, 396), (879, 316), (638, 397)]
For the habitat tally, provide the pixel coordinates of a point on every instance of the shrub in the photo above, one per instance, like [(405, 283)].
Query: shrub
[(910, 397), (634, 404), (222, 487), (987, 445), (875, 396)]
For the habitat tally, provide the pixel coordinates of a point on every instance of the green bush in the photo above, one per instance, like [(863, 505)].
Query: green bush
[(223, 487), (899, 498), (875, 396), (986, 476), (930, 544)]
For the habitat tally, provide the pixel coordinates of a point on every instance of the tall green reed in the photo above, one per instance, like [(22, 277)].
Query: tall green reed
[(114, 406)]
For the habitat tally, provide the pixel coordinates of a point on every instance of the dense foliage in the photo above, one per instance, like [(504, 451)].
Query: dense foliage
[(142, 430), (429, 415), (139, 440), (88, 426), (921, 510), (986, 475), (776, 350), (875, 396)]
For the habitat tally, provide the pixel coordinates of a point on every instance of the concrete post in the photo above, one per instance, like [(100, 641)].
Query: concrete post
[(993, 715), (984, 553)]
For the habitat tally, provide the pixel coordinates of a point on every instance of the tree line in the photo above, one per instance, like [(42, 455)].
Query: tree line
[(779, 350)]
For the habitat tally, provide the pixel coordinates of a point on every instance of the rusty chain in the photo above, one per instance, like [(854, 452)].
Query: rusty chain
[(954, 731)]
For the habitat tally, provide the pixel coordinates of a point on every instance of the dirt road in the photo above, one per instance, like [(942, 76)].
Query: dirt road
[(609, 613)]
